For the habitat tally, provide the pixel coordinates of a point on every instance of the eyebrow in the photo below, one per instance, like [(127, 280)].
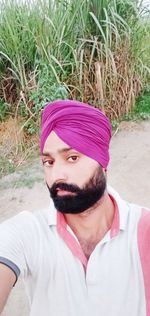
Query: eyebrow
[(61, 151)]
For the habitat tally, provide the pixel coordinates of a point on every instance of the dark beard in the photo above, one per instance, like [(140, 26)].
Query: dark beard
[(83, 199)]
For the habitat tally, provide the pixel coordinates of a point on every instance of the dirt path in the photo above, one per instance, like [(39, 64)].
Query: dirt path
[(128, 172)]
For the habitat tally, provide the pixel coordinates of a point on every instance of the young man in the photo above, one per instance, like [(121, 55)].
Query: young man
[(88, 254)]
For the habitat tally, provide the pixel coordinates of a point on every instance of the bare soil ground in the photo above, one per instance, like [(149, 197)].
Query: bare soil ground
[(128, 172)]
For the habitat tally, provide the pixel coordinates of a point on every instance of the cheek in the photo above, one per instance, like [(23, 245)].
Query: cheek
[(83, 171), (47, 176)]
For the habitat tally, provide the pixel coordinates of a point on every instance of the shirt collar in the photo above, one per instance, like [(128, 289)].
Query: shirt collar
[(121, 212), (52, 214)]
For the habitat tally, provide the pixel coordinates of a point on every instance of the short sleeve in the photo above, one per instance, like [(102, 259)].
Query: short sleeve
[(143, 237), (18, 243)]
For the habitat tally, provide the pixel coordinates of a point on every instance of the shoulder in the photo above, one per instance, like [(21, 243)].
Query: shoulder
[(25, 223), (28, 217), (144, 224), (128, 212), (22, 219), (135, 216)]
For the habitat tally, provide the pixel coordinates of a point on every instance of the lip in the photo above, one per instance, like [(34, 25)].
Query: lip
[(64, 192)]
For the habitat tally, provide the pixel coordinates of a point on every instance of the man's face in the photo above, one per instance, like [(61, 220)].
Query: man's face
[(75, 181)]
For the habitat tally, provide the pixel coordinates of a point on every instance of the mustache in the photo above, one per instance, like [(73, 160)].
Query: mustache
[(65, 187)]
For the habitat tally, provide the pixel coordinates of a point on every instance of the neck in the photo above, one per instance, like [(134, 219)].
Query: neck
[(93, 224)]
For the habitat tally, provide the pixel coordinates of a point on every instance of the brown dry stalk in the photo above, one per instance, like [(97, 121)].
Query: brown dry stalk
[(99, 84)]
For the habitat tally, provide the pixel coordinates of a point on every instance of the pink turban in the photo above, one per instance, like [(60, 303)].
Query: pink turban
[(79, 125)]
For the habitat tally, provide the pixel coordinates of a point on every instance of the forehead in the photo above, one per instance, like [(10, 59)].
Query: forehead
[(54, 144)]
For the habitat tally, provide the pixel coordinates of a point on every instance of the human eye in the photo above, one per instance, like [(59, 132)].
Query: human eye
[(48, 162), (73, 158)]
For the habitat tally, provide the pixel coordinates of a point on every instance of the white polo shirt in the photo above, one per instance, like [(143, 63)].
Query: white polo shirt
[(60, 282)]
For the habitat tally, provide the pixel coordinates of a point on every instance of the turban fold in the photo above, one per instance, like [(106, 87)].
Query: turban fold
[(79, 125)]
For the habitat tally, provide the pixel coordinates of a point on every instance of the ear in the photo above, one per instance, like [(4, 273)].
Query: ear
[(105, 173)]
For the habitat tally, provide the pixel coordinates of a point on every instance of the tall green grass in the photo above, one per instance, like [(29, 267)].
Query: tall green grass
[(86, 49), (97, 51)]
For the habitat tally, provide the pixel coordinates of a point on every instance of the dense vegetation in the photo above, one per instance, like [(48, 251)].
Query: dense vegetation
[(93, 50)]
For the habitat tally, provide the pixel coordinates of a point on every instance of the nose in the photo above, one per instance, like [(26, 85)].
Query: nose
[(59, 173)]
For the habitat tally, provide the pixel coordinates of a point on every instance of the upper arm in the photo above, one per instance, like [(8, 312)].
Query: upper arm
[(7, 280)]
